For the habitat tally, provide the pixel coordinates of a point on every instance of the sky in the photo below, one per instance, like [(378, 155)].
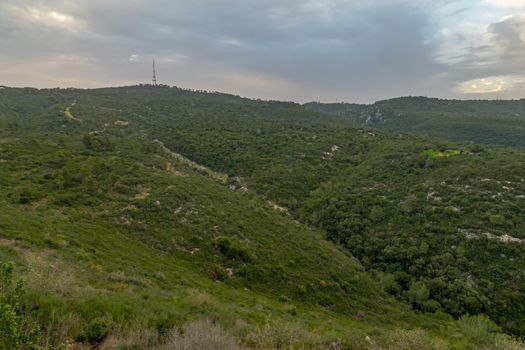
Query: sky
[(297, 50)]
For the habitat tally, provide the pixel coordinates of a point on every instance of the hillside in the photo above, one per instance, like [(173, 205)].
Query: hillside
[(392, 200), (131, 212), (480, 121)]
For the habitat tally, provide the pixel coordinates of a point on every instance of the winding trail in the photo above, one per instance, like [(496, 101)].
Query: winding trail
[(220, 177), (70, 115), (213, 174)]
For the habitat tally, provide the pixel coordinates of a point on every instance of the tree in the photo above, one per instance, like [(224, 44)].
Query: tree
[(418, 294)]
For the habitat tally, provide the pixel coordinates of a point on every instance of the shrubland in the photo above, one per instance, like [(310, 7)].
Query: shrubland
[(491, 122), (158, 215)]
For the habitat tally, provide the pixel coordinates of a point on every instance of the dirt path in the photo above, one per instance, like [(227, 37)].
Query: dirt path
[(70, 115), (213, 174)]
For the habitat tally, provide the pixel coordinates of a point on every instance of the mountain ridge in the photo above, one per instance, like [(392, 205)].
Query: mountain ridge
[(492, 122)]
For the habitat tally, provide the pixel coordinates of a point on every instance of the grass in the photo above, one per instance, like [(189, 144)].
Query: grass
[(434, 153)]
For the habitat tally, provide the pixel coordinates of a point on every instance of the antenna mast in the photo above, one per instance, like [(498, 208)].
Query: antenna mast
[(154, 80)]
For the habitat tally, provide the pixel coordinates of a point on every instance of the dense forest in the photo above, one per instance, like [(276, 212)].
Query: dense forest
[(156, 209)]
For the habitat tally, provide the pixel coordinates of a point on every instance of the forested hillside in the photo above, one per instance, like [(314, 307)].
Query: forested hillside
[(480, 121), (131, 213)]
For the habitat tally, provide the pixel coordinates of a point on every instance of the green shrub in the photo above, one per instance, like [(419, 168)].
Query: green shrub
[(481, 333), (497, 219), (97, 143), (232, 249), (418, 294), (95, 331), (119, 276), (27, 196), (388, 282), (284, 299), (217, 272), (413, 340), (281, 335), (15, 329), (200, 335)]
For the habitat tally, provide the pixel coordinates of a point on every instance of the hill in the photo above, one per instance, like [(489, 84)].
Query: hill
[(479, 121), (419, 209), (131, 212)]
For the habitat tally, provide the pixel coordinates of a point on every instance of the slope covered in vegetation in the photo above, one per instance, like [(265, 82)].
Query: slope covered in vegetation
[(122, 234), (480, 121), (432, 222)]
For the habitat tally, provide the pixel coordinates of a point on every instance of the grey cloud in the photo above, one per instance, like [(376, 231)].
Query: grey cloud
[(507, 35), (288, 49), (503, 53), (501, 56)]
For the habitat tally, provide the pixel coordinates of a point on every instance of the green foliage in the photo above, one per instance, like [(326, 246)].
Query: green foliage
[(95, 331), (479, 121), (96, 142), (156, 240), (217, 272), (497, 219), (418, 294), (232, 248), (15, 330), (413, 340), (388, 282), (202, 334), (434, 153), (481, 333)]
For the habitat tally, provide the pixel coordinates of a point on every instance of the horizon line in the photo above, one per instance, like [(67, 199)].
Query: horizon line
[(256, 98)]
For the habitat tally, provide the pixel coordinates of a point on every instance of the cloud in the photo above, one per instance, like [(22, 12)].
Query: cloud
[(506, 3), (50, 18), (484, 85), (494, 66), (286, 49)]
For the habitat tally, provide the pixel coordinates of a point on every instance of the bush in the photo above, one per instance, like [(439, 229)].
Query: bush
[(232, 249), (27, 196), (387, 282), (95, 331), (284, 299), (134, 339), (281, 335), (97, 143), (418, 294), (413, 340), (217, 272), (481, 333), (497, 219), (119, 276), (15, 329), (200, 335)]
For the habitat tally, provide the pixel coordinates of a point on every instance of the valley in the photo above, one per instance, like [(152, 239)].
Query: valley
[(276, 225)]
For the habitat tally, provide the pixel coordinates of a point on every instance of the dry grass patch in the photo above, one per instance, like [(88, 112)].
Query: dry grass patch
[(200, 335)]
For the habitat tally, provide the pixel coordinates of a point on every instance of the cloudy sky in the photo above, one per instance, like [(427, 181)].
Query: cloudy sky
[(301, 50)]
